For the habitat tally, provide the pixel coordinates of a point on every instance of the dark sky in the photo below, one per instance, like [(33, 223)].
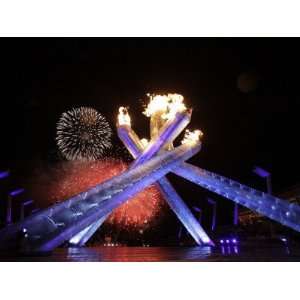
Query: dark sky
[(244, 93)]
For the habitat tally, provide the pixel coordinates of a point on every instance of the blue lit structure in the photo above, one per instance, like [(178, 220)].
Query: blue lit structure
[(169, 131), (76, 219), (51, 227), (135, 147), (275, 208)]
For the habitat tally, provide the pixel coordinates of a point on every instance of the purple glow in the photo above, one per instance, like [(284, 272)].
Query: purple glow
[(227, 241), (223, 250), (197, 209), (168, 133), (4, 174), (261, 172), (234, 241), (117, 190), (16, 192), (132, 143), (214, 216), (221, 241), (236, 214), (284, 240), (210, 201), (28, 202)]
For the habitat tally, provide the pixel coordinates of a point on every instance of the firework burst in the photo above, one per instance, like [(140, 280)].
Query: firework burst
[(83, 134), (66, 179)]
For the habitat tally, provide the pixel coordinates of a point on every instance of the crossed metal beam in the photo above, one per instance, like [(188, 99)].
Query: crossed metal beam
[(165, 136), (49, 228), (273, 207), (77, 218)]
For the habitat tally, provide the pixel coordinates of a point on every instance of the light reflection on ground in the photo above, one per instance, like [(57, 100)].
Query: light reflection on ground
[(144, 254)]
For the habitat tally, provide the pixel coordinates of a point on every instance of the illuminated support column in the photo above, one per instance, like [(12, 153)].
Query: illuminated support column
[(119, 189), (130, 140), (236, 214), (214, 215), (23, 205), (274, 208), (183, 213), (170, 130), (134, 146), (51, 227), (10, 199), (164, 136), (83, 236), (9, 210)]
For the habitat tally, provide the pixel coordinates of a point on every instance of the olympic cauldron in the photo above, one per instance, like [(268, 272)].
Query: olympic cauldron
[(75, 220)]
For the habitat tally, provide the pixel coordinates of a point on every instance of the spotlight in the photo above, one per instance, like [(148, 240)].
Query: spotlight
[(234, 241), (227, 241), (221, 241)]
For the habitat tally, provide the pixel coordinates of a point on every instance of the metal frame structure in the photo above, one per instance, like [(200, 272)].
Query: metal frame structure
[(75, 220)]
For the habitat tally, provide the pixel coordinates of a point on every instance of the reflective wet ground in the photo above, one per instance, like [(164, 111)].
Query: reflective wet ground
[(262, 252)]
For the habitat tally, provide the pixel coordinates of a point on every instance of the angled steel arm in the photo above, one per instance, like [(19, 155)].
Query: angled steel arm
[(135, 147), (51, 227), (272, 207)]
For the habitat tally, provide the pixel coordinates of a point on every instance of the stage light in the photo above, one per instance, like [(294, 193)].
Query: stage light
[(227, 241), (16, 192), (221, 241), (4, 174), (234, 241)]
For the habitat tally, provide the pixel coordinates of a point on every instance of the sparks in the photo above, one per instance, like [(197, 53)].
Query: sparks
[(69, 178), (83, 134)]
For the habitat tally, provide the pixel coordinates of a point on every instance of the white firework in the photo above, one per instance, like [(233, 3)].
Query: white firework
[(83, 134)]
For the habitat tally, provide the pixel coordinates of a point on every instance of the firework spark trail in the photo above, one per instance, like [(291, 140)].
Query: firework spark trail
[(83, 134), (72, 177)]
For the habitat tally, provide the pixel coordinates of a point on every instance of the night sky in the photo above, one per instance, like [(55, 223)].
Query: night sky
[(244, 94)]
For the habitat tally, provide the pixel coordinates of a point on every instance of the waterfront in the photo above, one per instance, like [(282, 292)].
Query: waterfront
[(253, 252)]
